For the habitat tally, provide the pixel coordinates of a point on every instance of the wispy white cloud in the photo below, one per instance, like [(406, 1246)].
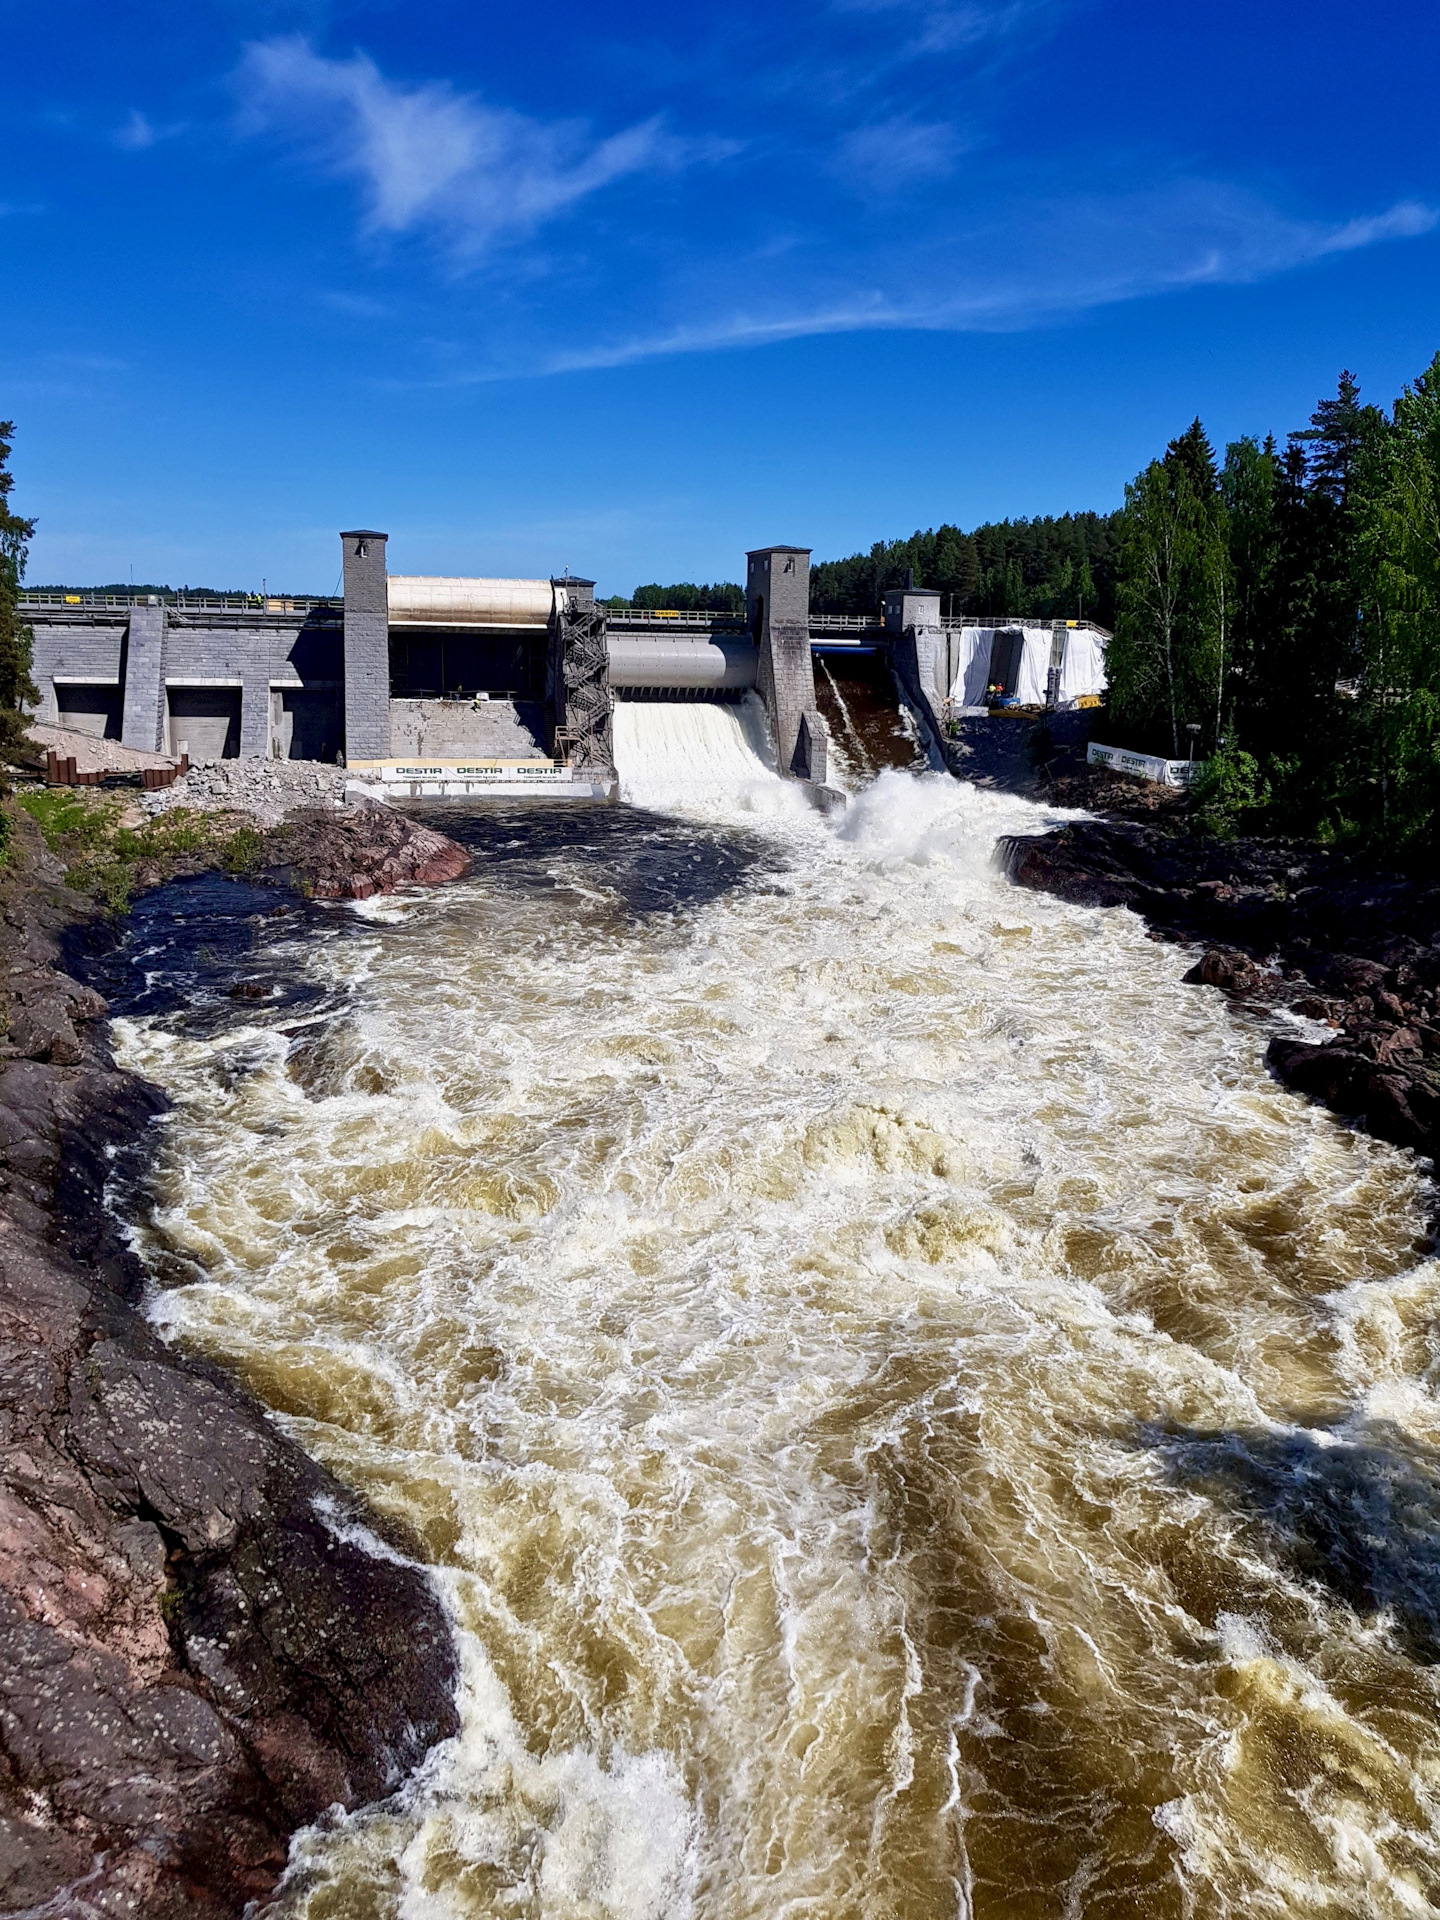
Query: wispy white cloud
[(1037, 267), (138, 132), (887, 155), (951, 26), (428, 156), (358, 306)]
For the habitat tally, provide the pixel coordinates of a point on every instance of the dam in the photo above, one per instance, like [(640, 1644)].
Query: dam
[(436, 687)]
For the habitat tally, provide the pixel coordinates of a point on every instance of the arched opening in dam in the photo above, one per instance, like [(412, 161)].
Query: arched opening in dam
[(893, 1394)]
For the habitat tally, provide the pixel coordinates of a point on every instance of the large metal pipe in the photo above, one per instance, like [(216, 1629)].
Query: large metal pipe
[(431, 600), (693, 662)]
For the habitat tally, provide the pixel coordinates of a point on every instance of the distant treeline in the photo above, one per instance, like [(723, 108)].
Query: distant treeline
[(1051, 568), (123, 587), (724, 596)]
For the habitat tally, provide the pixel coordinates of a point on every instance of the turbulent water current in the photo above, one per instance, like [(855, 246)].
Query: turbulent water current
[(907, 1417)]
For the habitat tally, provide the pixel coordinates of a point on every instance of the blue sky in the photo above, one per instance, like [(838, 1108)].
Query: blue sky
[(628, 288)]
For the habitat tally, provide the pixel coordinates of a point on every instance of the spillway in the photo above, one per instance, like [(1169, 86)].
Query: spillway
[(909, 1419), (700, 756)]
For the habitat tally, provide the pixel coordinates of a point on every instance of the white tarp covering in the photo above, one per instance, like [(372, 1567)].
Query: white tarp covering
[(1084, 666), (972, 665), (1082, 671)]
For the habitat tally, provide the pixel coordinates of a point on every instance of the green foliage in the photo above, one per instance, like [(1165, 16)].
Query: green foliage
[(105, 859), (685, 597), (1303, 591), (1399, 556), (243, 851), (1047, 568), (72, 819), (1166, 662), (1229, 786), (17, 689)]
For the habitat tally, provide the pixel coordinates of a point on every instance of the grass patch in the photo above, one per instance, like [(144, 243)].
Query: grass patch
[(105, 859), (72, 818)]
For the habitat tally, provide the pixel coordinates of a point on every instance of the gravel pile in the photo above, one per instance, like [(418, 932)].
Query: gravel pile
[(92, 754), (267, 790)]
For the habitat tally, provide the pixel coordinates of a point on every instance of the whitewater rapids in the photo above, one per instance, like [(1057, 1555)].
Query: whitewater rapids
[(908, 1417)]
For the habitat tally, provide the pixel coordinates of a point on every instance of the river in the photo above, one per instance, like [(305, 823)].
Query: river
[(908, 1418)]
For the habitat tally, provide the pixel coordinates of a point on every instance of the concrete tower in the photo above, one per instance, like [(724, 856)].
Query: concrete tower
[(777, 605), (367, 647)]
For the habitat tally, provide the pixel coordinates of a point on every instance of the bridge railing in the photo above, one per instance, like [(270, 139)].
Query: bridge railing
[(673, 617), (182, 602)]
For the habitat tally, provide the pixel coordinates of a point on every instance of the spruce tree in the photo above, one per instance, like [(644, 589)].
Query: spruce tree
[(17, 689), (1397, 504), (1247, 487)]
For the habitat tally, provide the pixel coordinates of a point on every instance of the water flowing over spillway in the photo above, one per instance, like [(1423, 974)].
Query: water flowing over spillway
[(909, 1418)]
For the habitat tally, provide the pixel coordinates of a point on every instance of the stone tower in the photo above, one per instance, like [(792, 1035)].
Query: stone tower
[(367, 647), (777, 606)]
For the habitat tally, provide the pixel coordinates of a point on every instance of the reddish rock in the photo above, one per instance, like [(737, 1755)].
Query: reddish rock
[(193, 1660), (361, 851)]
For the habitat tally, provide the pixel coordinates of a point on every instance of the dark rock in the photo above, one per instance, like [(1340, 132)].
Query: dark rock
[(195, 1656), (1230, 971)]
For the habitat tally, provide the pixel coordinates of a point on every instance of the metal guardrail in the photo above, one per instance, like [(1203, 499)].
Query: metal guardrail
[(182, 602), (672, 617)]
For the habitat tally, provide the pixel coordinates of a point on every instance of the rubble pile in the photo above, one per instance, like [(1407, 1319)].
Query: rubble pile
[(266, 790)]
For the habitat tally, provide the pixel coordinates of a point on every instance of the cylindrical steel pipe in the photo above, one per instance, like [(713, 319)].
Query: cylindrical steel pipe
[(712, 663), (431, 600)]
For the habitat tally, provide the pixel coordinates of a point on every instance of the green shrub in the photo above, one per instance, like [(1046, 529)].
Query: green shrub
[(1228, 786)]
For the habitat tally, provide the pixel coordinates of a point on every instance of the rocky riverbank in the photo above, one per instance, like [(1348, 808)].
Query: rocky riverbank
[(199, 1652), (1351, 949)]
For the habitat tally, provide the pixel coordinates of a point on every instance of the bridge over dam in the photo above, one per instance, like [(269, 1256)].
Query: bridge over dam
[(450, 687)]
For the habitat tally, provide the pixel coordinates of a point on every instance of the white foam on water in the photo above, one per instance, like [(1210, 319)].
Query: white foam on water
[(694, 755), (839, 1345)]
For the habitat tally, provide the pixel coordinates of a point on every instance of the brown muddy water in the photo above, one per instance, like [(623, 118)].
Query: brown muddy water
[(870, 733), (908, 1418)]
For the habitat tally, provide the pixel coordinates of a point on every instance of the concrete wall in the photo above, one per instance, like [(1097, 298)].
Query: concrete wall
[(94, 659), (456, 730)]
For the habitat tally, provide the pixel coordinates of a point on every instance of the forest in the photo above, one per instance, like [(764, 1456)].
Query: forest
[(1046, 567), (1286, 600)]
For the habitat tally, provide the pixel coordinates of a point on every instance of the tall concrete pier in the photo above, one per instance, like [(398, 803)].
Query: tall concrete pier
[(777, 605), (367, 646)]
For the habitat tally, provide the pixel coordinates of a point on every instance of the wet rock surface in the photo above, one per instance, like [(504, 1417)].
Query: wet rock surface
[(1291, 925), (362, 851), (198, 1652)]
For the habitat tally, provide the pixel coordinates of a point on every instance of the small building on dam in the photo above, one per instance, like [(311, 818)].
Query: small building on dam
[(455, 682)]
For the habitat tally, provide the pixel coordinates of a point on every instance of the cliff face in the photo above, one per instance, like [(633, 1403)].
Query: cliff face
[(195, 1655)]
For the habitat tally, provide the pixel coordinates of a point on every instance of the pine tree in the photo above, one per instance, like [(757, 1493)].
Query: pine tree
[(1398, 511), (1247, 487), (17, 689)]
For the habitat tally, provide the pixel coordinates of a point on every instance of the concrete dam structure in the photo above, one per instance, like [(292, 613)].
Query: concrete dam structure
[(437, 686)]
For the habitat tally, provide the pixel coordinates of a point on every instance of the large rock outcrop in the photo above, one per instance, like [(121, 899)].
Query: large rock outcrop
[(197, 1652)]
